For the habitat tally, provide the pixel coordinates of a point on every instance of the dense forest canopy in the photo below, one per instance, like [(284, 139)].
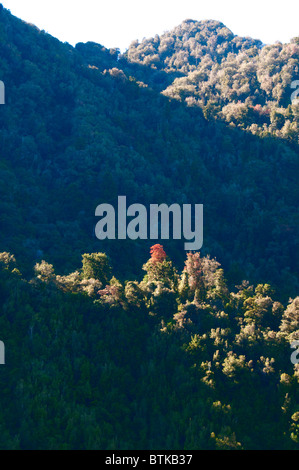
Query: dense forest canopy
[(175, 361), (193, 351)]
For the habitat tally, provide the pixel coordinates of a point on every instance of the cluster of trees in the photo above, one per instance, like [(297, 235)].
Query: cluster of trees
[(175, 361), (238, 80)]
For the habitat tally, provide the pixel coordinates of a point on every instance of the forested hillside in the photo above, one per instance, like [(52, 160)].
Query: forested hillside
[(84, 125), (192, 351)]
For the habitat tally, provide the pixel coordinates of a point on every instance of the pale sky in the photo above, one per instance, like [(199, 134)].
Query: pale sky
[(116, 23)]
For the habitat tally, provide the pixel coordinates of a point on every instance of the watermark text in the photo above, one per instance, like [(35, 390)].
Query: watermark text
[(186, 223), (2, 353)]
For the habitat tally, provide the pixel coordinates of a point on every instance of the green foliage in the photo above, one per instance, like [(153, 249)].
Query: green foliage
[(137, 366), (163, 272), (96, 266)]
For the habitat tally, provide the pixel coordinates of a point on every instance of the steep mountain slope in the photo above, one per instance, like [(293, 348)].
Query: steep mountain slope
[(158, 353), (83, 125)]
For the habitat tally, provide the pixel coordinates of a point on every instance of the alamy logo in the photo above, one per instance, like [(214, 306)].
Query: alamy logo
[(2, 93), (158, 220), (294, 99), (2, 353), (295, 354)]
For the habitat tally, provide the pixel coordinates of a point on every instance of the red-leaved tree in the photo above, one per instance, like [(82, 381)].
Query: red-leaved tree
[(158, 254)]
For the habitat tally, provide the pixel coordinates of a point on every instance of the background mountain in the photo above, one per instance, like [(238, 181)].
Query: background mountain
[(173, 352)]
